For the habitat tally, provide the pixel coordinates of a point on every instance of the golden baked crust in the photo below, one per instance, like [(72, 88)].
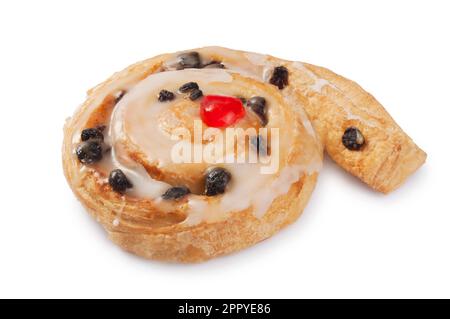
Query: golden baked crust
[(389, 155), (332, 103)]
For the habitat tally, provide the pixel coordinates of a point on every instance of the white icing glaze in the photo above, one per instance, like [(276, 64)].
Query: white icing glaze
[(267, 65), (289, 95), (320, 83), (245, 177), (143, 185), (137, 109), (140, 107)]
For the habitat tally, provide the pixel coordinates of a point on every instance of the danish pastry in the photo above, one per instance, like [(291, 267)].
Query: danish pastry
[(196, 154)]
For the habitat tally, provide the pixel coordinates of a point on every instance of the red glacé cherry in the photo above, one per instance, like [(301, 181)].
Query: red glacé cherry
[(221, 111)]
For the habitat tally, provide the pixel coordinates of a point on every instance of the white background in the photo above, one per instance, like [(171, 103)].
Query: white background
[(350, 241)]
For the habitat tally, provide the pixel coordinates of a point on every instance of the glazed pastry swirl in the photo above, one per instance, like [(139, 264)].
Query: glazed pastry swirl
[(122, 149), (137, 145)]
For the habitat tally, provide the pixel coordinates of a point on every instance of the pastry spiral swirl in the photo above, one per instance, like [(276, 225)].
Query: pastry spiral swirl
[(148, 156)]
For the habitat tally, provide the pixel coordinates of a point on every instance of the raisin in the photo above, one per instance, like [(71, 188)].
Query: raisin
[(165, 95), (196, 94), (118, 181), (258, 105), (280, 77), (89, 152), (353, 139), (189, 60), (92, 134), (176, 192), (187, 87), (216, 181)]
